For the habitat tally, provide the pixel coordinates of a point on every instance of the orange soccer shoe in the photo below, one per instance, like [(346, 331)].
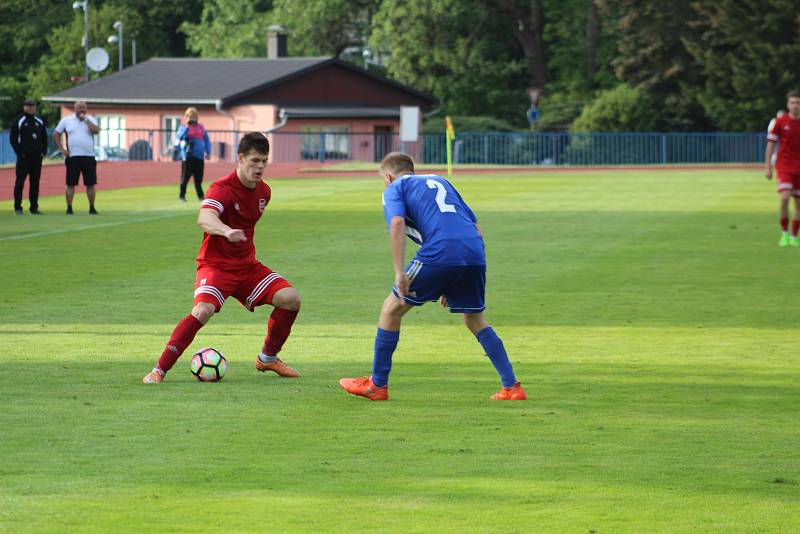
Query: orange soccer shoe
[(277, 367), (364, 387), (515, 392), (156, 376)]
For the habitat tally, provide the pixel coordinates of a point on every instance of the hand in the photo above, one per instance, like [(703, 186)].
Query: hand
[(208, 157), (235, 235), (443, 301), (768, 173), (402, 284), (65, 153)]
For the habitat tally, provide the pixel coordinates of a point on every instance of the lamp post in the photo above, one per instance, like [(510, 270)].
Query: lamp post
[(120, 27), (366, 54), (84, 4)]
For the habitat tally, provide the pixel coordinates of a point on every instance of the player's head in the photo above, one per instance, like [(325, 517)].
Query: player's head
[(190, 115), (394, 165), (80, 108), (253, 155), (29, 106), (793, 103)]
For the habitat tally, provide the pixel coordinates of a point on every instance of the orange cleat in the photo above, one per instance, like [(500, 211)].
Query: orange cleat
[(277, 367), (364, 387), (156, 376), (515, 392)]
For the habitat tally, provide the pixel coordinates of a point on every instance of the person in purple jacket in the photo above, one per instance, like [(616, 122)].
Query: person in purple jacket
[(192, 139)]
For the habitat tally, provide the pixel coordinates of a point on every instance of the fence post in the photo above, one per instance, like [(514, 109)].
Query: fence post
[(322, 147), (664, 148)]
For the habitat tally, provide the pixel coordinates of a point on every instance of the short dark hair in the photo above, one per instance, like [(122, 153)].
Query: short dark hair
[(793, 94), (254, 141), (397, 163)]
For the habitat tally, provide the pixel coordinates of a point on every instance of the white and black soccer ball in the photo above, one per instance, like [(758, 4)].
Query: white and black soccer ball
[(209, 365)]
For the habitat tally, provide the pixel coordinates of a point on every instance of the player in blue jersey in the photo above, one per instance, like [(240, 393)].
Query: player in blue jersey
[(450, 266)]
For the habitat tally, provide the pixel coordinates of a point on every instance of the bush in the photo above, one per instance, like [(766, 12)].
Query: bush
[(622, 109)]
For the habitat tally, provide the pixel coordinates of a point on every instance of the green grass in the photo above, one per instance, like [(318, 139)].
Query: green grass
[(649, 314), (353, 166)]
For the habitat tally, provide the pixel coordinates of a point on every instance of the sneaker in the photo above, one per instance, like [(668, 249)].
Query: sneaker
[(515, 392), (36, 212), (156, 376), (92, 211), (793, 241), (364, 387), (19, 211), (182, 199), (277, 367), (784, 240), (69, 210)]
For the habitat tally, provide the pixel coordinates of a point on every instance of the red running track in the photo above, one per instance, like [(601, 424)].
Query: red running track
[(122, 174)]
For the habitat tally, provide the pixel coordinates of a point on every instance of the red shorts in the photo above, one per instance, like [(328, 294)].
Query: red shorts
[(789, 182), (252, 286)]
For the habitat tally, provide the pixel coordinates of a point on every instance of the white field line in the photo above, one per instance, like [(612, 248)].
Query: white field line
[(93, 226)]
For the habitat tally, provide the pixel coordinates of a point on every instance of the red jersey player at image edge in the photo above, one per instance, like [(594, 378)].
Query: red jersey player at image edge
[(227, 264), (785, 130)]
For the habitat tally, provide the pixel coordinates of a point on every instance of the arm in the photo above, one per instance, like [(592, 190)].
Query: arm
[(92, 124), (13, 136), (43, 139), (768, 159), (208, 144), (208, 219), (397, 237), (57, 141)]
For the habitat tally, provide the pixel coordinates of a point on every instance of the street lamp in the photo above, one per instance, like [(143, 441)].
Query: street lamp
[(119, 27), (85, 6), (366, 54)]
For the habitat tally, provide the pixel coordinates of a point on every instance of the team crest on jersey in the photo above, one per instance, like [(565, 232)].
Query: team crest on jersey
[(236, 206), (262, 203), (203, 282)]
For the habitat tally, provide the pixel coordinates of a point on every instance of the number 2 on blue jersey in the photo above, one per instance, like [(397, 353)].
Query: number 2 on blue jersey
[(444, 207)]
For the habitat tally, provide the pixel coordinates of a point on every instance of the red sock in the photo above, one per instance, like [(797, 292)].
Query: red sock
[(795, 227), (181, 338), (279, 327), (785, 223)]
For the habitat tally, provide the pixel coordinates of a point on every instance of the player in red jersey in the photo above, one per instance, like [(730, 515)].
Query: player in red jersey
[(786, 130), (227, 265)]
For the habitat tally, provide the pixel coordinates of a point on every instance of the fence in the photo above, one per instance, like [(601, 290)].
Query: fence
[(502, 148)]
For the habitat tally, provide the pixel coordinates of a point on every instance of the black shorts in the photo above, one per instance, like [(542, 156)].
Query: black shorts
[(77, 165)]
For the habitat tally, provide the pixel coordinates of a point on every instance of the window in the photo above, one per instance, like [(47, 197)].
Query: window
[(336, 141), (170, 125), (112, 131)]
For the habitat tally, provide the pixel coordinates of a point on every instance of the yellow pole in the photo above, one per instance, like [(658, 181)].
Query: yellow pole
[(450, 137)]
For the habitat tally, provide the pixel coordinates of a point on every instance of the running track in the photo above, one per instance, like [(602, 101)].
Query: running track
[(122, 174)]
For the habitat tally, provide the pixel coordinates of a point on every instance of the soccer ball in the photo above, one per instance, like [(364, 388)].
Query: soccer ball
[(209, 365)]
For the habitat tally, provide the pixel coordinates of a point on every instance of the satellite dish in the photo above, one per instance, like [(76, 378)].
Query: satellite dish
[(97, 59)]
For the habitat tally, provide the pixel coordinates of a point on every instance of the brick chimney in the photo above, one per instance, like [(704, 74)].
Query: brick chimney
[(276, 42)]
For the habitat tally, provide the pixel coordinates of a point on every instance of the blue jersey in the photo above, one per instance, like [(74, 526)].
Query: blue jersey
[(437, 219)]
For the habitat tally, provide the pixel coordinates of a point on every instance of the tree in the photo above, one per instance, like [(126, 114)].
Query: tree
[(526, 18), (457, 50), (651, 55), (748, 51), (326, 27), (229, 29)]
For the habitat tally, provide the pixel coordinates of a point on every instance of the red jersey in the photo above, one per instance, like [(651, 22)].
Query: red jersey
[(240, 208), (786, 131)]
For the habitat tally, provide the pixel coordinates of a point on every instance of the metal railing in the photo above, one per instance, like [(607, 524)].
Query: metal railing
[(501, 148)]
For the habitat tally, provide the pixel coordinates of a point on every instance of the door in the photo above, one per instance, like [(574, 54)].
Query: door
[(383, 142)]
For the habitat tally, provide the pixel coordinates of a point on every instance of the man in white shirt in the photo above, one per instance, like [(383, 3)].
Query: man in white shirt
[(79, 154)]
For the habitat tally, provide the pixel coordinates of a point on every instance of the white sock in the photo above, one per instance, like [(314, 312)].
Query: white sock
[(267, 359)]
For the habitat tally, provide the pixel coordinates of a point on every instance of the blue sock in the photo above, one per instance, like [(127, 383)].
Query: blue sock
[(493, 346), (385, 343)]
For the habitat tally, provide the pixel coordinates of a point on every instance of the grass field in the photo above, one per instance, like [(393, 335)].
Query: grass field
[(650, 315)]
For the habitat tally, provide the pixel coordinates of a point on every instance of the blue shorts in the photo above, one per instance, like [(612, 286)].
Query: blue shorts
[(463, 286)]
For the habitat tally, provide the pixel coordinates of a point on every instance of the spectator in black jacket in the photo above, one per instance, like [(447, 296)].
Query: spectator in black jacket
[(29, 139)]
